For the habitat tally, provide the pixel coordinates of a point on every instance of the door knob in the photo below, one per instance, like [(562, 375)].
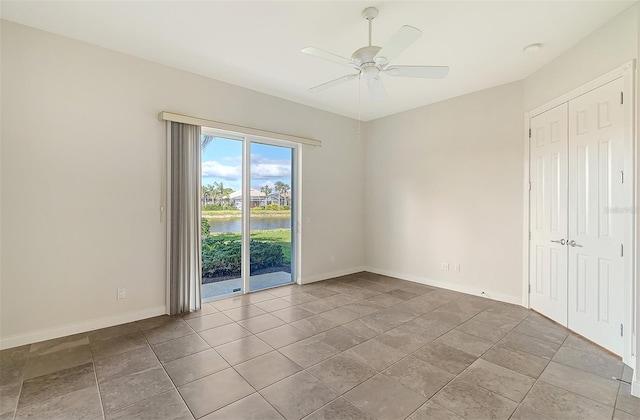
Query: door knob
[(573, 243), (560, 241)]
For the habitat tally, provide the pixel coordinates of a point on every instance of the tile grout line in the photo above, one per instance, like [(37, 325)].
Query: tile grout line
[(29, 356), (377, 335), (306, 370), (251, 334), (548, 362), (175, 387), (15, 409), (256, 391), (303, 369), (165, 370), (95, 375), (465, 369), (340, 325), (161, 365), (615, 404), (563, 344), (436, 338), (233, 367), (538, 379), (381, 372)]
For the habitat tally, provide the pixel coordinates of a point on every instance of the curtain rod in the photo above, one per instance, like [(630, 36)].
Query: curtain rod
[(185, 119)]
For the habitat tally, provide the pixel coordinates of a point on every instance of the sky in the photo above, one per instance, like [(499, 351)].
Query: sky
[(222, 162)]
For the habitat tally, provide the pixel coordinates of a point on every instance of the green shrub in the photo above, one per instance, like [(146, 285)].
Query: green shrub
[(222, 256), (259, 209), (265, 254), (205, 228), (212, 207)]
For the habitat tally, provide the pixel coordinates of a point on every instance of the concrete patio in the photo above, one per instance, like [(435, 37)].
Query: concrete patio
[(257, 282)]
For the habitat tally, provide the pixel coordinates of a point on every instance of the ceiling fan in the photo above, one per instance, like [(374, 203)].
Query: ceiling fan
[(372, 61)]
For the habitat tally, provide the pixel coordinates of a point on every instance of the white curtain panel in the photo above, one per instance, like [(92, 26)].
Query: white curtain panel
[(184, 247)]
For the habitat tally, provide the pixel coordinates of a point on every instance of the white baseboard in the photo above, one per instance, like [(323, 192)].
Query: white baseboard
[(62, 331), (69, 329), (325, 276), (516, 300)]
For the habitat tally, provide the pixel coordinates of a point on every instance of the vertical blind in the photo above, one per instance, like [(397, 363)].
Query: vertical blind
[(184, 246)]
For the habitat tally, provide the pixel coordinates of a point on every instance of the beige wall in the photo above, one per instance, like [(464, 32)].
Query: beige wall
[(444, 184), (81, 179)]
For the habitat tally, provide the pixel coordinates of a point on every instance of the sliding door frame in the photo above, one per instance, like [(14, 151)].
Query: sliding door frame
[(296, 210)]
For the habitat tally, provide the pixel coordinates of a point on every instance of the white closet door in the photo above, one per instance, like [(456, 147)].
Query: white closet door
[(596, 223), (548, 214)]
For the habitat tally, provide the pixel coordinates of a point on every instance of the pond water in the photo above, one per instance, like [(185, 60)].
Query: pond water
[(257, 223)]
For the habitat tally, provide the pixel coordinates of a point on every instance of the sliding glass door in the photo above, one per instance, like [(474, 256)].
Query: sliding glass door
[(221, 217), (270, 222), (247, 214)]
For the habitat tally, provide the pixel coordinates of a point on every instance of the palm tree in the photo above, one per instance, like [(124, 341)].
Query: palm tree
[(279, 186), (205, 140), (266, 190), (220, 191), (211, 189), (208, 194), (205, 194), (285, 189), (226, 192)]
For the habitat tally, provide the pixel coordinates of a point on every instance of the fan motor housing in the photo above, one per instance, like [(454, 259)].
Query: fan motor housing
[(365, 55)]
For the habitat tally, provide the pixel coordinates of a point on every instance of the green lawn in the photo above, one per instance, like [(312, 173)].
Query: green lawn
[(281, 237), (231, 214)]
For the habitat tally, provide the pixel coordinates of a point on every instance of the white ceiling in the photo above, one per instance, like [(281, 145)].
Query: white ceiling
[(257, 44)]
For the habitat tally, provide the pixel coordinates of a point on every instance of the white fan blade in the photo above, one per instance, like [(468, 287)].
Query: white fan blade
[(377, 90), (316, 52), (427, 72), (333, 82), (406, 36)]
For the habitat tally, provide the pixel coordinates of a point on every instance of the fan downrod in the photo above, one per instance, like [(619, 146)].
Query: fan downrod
[(370, 13)]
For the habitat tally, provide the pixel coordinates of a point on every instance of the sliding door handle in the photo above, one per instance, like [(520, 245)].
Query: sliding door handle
[(573, 243), (560, 241)]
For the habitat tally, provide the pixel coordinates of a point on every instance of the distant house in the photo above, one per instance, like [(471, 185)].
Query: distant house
[(284, 199), (257, 198)]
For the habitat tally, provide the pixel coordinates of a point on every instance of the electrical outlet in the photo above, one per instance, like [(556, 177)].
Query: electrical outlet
[(444, 266), (456, 268), (122, 293)]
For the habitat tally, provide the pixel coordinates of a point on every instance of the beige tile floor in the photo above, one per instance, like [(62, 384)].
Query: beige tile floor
[(357, 347)]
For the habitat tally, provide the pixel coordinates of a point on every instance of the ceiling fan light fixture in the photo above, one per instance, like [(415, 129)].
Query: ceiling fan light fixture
[(370, 72)]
